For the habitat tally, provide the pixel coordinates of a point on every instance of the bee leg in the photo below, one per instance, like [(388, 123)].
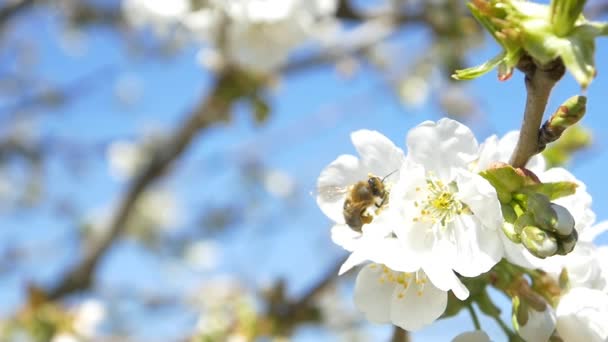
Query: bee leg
[(366, 217)]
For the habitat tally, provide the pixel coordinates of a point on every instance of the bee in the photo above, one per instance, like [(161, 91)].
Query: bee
[(362, 196)]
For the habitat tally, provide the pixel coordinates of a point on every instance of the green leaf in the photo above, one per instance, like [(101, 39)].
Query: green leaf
[(474, 72), (553, 190), (579, 54), (505, 180)]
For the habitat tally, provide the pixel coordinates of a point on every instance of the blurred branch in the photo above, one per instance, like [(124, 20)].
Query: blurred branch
[(351, 43), (73, 90), (214, 108), (400, 335), (12, 9)]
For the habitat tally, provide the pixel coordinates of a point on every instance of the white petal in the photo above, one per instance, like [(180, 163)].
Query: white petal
[(481, 197), (373, 297), (342, 235), (477, 249), (582, 315), (472, 336), (591, 233), (354, 259), (444, 279), (441, 146), (333, 182), (488, 154), (413, 311), (378, 154)]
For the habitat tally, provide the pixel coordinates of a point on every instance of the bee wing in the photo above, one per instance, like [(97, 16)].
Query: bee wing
[(332, 193)]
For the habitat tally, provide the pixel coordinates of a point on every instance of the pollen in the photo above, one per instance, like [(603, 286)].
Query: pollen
[(440, 204), (401, 280)]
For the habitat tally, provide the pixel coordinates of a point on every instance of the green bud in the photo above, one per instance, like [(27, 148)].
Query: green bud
[(527, 219), (568, 114), (539, 242), (567, 244), (565, 221), (519, 314), (508, 213), (544, 215), (564, 14), (509, 230)]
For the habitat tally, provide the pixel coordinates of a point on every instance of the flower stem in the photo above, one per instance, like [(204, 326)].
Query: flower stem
[(539, 83), (474, 316), (505, 328)]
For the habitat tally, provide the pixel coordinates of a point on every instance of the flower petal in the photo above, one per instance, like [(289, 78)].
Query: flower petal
[(372, 296), (343, 236), (444, 279), (441, 146), (477, 249), (582, 315), (414, 311), (378, 153), (333, 184), (481, 197)]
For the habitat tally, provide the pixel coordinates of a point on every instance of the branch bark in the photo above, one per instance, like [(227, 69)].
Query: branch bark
[(540, 80), (214, 108)]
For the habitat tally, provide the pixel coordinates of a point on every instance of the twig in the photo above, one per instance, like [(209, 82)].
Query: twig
[(400, 335), (474, 316), (539, 83), (213, 109)]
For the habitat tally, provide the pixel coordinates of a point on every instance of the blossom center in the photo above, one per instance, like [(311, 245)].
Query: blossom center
[(403, 280), (438, 203)]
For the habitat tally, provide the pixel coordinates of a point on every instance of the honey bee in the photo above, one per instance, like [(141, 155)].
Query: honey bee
[(362, 196)]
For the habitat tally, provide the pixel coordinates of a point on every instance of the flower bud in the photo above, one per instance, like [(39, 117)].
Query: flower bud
[(566, 115), (565, 221), (539, 325), (540, 243), (509, 230), (567, 244)]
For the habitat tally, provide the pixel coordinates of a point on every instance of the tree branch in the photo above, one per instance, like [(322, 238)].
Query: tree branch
[(540, 80), (13, 8), (400, 335), (214, 108)]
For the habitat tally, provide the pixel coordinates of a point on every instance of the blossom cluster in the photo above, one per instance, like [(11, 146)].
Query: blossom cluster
[(424, 220), (238, 32)]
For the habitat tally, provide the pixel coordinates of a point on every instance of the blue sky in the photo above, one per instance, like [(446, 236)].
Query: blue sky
[(313, 115)]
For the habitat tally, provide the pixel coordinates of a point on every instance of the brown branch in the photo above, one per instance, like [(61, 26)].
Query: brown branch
[(214, 108), (400, 335), (540, 80)]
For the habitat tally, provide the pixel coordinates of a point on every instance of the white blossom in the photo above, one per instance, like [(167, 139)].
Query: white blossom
[(161, 15), (89, 315), (407, 300), (582, 315), (378, 157), (447, 216)]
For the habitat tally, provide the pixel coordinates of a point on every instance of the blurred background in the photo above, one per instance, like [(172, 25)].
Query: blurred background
[(158, 158)]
